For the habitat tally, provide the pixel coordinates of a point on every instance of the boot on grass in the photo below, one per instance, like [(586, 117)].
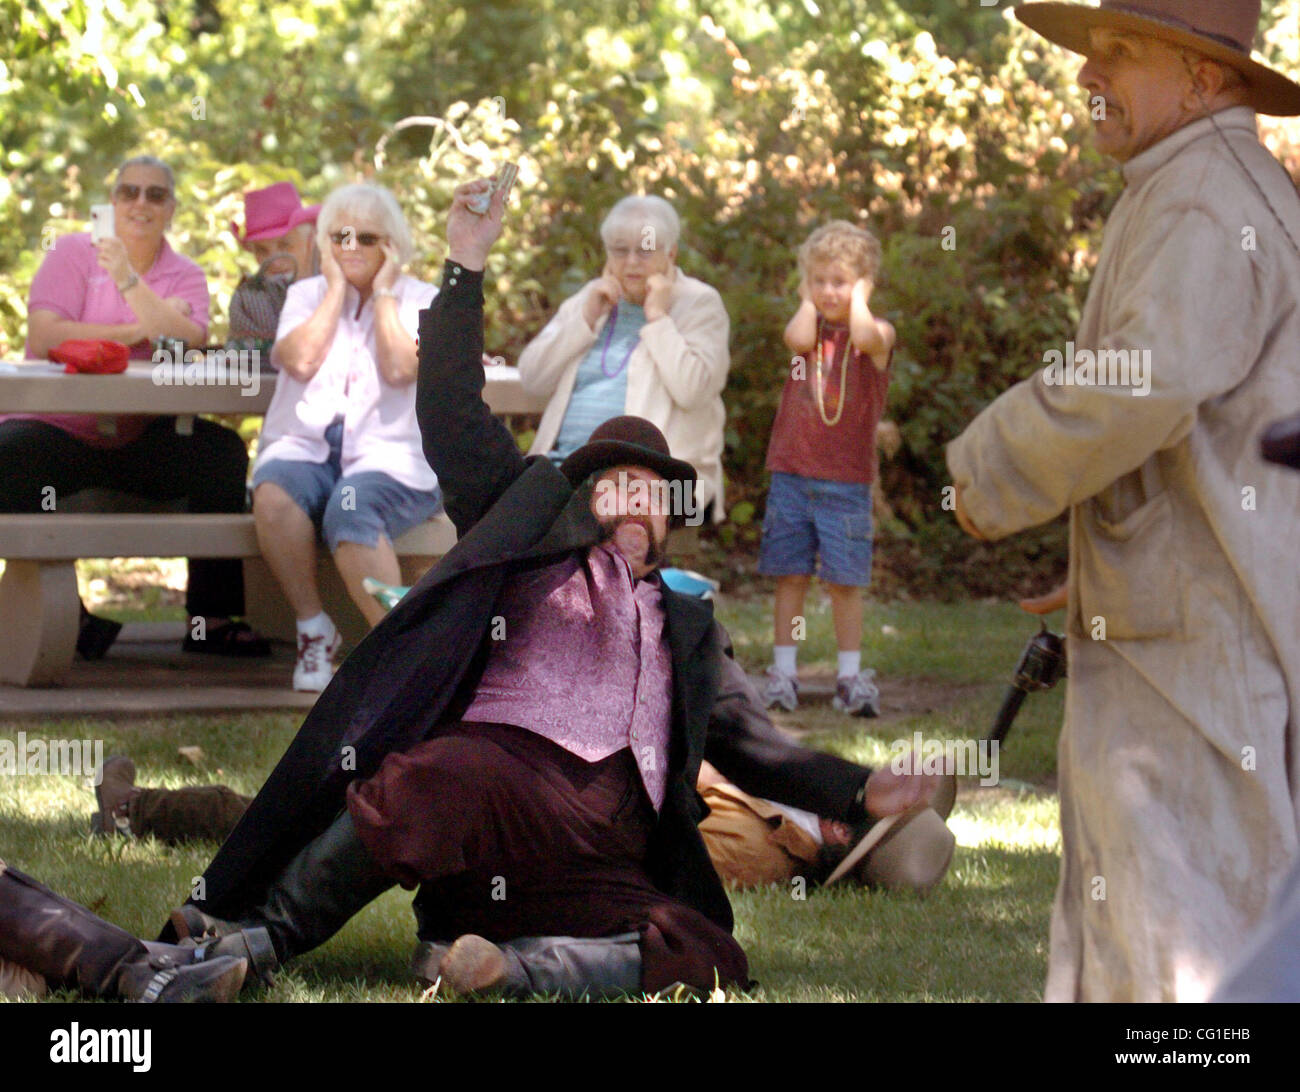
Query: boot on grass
[(332, 879), (68, 946), (571, 967)]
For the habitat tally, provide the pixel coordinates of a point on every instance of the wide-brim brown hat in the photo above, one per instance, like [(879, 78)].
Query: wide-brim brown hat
[(945, 795), (911, 850), (1223, 30), (627, 441)]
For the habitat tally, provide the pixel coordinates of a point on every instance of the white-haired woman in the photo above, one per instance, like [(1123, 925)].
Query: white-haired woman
[(641, 339), (340, 450)]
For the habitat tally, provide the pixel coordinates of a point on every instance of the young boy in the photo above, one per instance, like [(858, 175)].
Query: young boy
[(822, 457)]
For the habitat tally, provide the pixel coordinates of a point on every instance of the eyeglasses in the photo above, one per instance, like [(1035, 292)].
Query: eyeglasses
[(353, 238), (625, 253), (126, 192)]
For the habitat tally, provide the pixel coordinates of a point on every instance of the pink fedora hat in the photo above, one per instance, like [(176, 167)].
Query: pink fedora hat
[(1221, 29), (271, 212)]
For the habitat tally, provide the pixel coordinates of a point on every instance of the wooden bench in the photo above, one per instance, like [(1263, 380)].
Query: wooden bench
[(39, 616), (38, 592)]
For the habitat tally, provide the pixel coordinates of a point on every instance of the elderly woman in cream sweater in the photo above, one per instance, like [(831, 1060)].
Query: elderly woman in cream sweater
[(643, 339)]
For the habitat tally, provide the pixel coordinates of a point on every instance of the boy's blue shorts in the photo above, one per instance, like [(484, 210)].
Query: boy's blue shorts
[(358, 508), (810, 519)]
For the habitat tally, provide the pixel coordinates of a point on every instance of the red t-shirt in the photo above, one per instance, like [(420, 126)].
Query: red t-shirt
[(802, 442)]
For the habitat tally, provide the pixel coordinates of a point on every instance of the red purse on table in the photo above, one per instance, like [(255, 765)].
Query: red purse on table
[(91, 357)]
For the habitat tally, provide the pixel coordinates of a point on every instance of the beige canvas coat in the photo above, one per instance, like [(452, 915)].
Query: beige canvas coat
[(1179, 759), (675, 376)]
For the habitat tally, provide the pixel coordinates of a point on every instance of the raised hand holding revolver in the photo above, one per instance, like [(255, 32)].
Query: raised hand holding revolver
[(470, 235)]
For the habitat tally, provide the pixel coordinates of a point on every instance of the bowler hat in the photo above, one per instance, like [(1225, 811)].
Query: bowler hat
[(1223, 30), (627, 441), (272, 212)]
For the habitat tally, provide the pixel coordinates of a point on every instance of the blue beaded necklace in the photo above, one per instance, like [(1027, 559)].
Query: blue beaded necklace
[(609, 337)]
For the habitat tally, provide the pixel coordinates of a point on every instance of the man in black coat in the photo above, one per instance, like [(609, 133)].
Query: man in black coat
[(521, 736)]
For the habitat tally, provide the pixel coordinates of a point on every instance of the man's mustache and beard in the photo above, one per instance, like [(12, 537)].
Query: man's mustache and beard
[(623, 533)]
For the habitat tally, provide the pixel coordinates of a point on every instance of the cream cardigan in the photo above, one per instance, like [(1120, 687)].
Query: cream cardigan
[(674, 377)]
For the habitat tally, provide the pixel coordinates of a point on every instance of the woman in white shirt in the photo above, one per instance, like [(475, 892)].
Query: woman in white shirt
[(340, 451)]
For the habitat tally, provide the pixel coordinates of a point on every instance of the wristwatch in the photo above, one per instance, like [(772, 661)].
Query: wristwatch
[(858, 806), (386, 292), (131, 282)]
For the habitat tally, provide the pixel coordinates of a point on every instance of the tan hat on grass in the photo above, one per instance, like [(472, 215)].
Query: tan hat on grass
[(909, 851), (1223, 30)]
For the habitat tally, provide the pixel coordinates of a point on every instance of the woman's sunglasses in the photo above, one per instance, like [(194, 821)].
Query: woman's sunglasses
[(352, 238), (155, 195)]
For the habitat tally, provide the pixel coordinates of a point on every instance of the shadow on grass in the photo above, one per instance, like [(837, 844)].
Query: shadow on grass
[(980, 936)]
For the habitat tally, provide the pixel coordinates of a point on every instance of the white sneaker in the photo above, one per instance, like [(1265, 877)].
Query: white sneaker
[(782, 690), (315, 666), (858, 695)]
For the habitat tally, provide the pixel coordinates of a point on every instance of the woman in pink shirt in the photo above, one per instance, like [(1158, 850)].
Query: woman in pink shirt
[(131, 288)]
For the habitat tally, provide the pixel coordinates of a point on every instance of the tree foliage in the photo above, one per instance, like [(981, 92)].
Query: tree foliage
[(952, 132)]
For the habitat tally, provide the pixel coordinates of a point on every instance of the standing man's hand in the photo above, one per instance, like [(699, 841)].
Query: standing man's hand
[(659, 294), (1045, 604), (604, 294), (469, 235)]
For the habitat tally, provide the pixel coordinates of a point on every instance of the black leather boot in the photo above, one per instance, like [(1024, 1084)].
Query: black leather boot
[(332, 879), (68, 945), (571, 967)]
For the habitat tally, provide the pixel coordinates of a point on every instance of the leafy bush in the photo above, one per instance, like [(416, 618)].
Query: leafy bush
[(945, 127)]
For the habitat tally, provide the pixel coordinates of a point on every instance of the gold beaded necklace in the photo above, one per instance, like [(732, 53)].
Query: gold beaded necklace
[(844, 375)]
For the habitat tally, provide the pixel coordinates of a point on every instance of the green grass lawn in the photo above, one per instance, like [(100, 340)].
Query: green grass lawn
[(981, 936)]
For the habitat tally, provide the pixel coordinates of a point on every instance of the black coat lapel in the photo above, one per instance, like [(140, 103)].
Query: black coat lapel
[(539, 497), (689, 622), (575, 529)]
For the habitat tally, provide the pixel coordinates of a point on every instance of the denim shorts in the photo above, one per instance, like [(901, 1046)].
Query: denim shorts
[(809, 521), (357, 508)]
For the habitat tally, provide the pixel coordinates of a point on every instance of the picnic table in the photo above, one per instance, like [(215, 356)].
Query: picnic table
[(39, 615)]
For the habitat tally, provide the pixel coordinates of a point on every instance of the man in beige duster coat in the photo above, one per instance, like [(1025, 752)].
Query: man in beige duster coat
[(1179, 759)]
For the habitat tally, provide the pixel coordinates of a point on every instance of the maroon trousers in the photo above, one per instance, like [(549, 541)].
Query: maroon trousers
[(509, 835)]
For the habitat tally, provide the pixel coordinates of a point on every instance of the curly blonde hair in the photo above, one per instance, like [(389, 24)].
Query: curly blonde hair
[(840, 241)]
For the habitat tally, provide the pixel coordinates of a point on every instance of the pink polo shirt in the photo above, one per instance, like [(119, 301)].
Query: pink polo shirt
[(71, 284)]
